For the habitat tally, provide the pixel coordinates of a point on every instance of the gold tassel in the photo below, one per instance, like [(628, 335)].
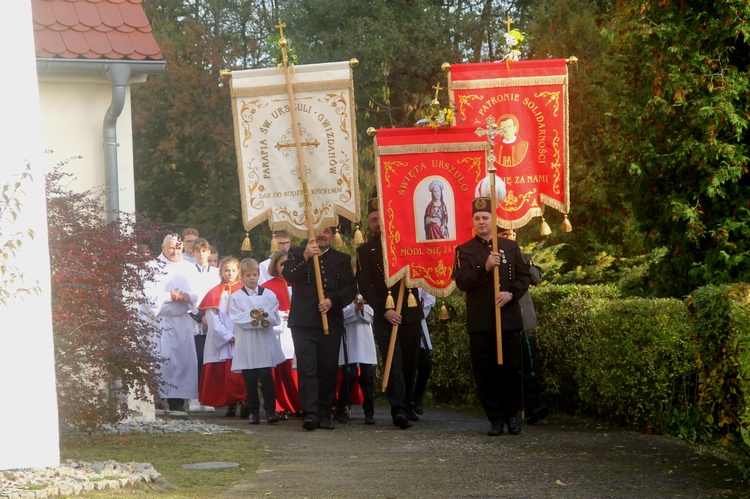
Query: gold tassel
[(274, 244), (566, 226), (443, 316), (545, 230), (411, 301), (337, 241), (246, 246), (358, 239), (389, 301)]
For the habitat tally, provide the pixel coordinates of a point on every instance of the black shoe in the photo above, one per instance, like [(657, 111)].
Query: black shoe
[(272, 417), (325, 424), (341, 416), (537, 414), (411, 414), (418, 408), (514, 427), (309, 424), (244, 411), (254, 417), (401, 421), (283, 416), (231, 411), (369, 419), (496, 428)]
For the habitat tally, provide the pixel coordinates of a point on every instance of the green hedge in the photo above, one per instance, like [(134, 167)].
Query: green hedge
[(678, 367)]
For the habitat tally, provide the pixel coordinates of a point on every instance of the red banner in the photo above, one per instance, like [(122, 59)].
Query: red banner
[(426, 180), (529, 102)]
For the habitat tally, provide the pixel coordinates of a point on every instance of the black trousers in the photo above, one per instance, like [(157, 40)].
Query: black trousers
[(264, 376), (424, 369), (317, 365), (531, 399), (498, 386), (400, 389), (366, 383)]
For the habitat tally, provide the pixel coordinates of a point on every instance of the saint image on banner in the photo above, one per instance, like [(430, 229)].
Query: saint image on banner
[(511, 149), (438, 214)]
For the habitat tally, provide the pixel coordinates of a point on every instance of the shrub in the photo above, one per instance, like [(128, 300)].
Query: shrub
[(97, 279)]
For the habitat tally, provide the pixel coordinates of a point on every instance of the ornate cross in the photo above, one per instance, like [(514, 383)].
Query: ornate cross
[(281, 27), (287, 145), (491, 132), (508, 22)]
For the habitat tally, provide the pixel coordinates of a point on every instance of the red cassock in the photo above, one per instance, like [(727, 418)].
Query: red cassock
[(284, 375), (219, 385)]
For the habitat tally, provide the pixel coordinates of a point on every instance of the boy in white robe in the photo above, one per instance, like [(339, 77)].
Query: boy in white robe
[(254, 311)]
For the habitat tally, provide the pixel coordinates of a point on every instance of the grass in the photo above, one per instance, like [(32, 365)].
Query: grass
[(167, 453)]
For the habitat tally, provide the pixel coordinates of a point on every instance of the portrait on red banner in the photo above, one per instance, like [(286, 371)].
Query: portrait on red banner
[(439, 214)]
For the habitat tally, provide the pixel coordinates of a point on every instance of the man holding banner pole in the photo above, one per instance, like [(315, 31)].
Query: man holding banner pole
[(498, 384), (407, 318), (317, 351)]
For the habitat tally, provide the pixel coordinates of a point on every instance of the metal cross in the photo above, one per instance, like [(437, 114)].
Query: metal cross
[(281, 27), (508, 22), (437, 88), (491, 132)]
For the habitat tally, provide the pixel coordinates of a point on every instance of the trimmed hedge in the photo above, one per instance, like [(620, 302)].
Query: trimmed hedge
[(658, 365)]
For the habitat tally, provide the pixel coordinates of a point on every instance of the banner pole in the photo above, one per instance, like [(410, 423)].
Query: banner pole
[(394, 332), (302, 169), (491, 131)]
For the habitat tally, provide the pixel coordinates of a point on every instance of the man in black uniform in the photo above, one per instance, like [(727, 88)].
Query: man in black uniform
[(498, 386), (371, 280), (318, 353)]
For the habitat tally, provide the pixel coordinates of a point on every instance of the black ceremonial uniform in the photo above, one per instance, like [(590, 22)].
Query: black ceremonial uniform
[(317, 353), (498, 386), (371, 280)]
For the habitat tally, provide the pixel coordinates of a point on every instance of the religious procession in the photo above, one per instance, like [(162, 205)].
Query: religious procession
[(306, 332), (293, 217)]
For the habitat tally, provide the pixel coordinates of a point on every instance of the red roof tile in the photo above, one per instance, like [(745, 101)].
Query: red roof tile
[(93, 29)]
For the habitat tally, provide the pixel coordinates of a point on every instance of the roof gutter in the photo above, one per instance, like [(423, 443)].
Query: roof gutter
[(118, 73)]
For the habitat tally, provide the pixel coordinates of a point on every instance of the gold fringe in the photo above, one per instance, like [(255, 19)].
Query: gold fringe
[(527, 81), (566, 226), (443, 316), (389, 303), (545, 230), (431, 148), (307, 86), (358, 238), (274, 244), (246, 246), (411, 302)]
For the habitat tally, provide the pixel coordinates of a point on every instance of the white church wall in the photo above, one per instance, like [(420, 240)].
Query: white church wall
[(28, 420)]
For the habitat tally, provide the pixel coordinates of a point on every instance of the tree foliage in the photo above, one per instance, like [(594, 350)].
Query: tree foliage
[(97, 279), (679, 129)]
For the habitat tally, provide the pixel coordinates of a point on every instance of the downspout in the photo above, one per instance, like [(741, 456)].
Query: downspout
[(118, 75)]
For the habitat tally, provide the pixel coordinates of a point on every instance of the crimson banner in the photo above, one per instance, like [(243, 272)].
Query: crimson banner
[(426, 180), (529, 102)]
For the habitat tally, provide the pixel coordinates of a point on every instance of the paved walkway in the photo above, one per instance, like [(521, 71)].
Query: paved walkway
[(447, 454)]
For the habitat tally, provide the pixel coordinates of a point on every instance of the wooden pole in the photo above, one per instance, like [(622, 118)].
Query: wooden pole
[(491, 132), (302, 169), (394, 332)]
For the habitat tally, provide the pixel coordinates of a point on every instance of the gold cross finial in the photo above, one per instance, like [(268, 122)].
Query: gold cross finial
[(508, 22), (437, 88), (281, 27)]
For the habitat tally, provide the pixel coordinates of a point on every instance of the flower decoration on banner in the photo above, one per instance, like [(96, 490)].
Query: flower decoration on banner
[(435, 116), (274, 50), (515, 40)]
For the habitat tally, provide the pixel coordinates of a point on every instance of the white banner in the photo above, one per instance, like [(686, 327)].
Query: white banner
[(266, 153)]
